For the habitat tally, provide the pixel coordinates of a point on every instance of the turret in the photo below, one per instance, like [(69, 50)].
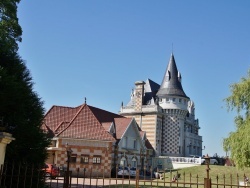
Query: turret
[(171, 83), (171, 94)]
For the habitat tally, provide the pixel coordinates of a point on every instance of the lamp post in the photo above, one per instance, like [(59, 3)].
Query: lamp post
[(207, 181), (66, 178)]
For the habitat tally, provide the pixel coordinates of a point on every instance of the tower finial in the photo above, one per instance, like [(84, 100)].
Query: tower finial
[(172, 48), (85, 100)]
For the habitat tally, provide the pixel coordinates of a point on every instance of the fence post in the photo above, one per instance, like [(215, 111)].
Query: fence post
[(137, 179), (1, 173), (207, 180), (207, 183)]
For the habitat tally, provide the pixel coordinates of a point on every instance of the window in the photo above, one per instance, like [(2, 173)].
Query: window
[(134, 162), (123, 161), (173, 99), (84, 159), (135, 143), (180, 100), (53, 143), (97, 160), (73, 158)]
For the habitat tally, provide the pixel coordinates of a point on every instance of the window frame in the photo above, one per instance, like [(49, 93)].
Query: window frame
[(73, 158), (97, 159), (83, 157)]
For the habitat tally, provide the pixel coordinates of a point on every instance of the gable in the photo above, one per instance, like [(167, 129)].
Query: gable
[(131, 133), (58, 116), (85, 126)]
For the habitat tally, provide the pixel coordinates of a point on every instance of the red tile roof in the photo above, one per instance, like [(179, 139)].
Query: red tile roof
[(81, 122), (106, 125), (148, 145), (121, 125), (102, 115), (86, 122)]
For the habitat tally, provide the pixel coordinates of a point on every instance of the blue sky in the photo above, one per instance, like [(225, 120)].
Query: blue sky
[(97, 49)]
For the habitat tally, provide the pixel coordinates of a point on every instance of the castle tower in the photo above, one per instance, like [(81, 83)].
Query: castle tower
[(166, 114), (173, 101)]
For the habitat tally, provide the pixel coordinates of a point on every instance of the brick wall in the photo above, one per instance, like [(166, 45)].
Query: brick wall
[(95, 155)]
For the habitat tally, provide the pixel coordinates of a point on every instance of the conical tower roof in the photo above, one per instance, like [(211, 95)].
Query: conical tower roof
[(171, 83)]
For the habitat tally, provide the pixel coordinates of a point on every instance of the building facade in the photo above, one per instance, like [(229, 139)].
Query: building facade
[(166, 114), (99, 141)]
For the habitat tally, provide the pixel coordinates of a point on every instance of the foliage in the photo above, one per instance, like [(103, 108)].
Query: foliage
[(10, 30), (238, 142), (21, 109)]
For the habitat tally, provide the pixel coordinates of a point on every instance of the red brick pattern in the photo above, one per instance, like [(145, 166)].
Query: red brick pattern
[(105, 165)]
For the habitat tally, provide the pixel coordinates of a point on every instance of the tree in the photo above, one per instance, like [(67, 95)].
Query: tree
[(10, 30), (21, 109), (238, 142)]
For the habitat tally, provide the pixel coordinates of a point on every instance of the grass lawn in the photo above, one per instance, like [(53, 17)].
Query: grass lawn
[(194, 177), (220, 174)]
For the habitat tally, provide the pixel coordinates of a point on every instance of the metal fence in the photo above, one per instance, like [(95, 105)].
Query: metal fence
[(27, 176)]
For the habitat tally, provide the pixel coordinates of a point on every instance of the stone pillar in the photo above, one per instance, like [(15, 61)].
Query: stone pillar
[(5, 138)]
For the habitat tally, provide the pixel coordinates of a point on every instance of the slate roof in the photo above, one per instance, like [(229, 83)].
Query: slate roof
[(171, 83), (151, 89), (170, 86)]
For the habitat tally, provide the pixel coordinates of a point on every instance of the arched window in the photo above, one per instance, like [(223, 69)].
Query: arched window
[(134, 162), (123, 161)]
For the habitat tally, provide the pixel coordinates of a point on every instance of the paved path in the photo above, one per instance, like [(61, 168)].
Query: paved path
[(88, 183)]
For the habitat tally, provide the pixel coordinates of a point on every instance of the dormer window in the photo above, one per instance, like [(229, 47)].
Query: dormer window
[(179, 76), (168, 76)]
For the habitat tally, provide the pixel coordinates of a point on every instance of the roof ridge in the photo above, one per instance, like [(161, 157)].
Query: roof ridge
[(64, 106), (59, 125), (82, 106), (54, 106), (104, 110)]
